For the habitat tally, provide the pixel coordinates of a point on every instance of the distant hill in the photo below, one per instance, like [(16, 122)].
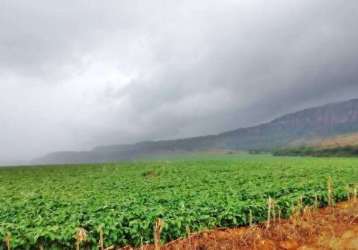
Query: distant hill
[(336, 141), (313, 125)]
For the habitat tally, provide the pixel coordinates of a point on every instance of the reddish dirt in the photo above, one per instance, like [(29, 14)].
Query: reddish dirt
[(333, 228)]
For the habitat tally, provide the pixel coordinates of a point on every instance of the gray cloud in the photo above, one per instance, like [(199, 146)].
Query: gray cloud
[(77, 74)]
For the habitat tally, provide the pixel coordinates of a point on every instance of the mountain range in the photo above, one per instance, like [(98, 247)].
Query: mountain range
[(309, 126)]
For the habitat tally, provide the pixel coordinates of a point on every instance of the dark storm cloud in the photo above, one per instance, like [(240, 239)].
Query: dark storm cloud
[(75, 74), (46, 37)]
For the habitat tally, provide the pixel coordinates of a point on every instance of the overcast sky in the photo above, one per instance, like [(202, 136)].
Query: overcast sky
[(75, 74)]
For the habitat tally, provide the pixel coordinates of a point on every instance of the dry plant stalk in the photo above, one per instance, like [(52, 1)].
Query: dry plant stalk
[(307, 213), (141, 243), (158, 227), (81, 236), (8, 241), (300, 204), (188, 232), (101, 241), (250, 218), (273, 210), (349, 193), (330, 192), (316, 206), (279, 215), (297, 211), (352, 193), (269, 212)]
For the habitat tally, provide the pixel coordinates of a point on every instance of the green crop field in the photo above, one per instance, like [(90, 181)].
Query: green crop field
[(44, 206)]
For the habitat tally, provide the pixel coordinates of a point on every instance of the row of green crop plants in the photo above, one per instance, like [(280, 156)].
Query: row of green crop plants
[(160, 230)]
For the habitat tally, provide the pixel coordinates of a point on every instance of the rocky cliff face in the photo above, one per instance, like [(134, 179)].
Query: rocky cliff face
[(326, 119)]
